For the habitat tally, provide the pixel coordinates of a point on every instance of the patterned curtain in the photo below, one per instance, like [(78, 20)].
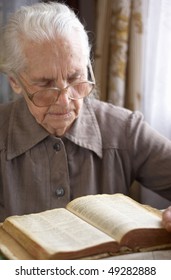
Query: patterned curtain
[(119, 52), (103, 26)]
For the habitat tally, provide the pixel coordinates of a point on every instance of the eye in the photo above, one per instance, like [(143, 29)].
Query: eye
[(77, 77), (74, 80), (46, 83)]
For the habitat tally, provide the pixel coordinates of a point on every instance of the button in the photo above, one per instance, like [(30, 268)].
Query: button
[(57, 147), (60, 192)]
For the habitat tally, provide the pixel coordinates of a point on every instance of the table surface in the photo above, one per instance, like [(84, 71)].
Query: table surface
[(154, 255)]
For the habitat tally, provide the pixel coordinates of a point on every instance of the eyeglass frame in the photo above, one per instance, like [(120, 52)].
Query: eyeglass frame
[(31, 95)]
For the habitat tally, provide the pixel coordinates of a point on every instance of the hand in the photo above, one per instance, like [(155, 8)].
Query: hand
[(166, 219)]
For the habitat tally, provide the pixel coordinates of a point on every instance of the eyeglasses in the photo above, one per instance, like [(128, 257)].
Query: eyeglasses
[(48, 96)]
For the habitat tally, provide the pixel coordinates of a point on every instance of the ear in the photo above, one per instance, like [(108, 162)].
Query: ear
[(15, 85)]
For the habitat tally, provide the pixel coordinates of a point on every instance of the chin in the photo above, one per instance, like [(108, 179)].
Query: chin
[(58, 126), (58, 130)]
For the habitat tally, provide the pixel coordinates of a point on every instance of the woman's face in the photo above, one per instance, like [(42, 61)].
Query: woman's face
[(54, 64)]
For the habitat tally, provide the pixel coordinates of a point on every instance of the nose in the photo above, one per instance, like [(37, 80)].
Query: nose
[(62, 98)]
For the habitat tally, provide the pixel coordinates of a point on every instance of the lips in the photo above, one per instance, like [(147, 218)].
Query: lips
[(59, 114)]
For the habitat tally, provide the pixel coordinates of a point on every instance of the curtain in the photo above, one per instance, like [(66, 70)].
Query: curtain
[(157, 68), (156, 77), (119, 51), (103, 27)]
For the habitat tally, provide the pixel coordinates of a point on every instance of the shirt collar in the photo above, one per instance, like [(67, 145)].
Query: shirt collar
[(85, 131), (24, 132)]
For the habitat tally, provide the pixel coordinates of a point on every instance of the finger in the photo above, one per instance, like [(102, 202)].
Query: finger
[(166, 219)]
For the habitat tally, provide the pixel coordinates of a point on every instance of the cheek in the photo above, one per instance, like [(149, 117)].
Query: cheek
[(38, 113), (78, 105)]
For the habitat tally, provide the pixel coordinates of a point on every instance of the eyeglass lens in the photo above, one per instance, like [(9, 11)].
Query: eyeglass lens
[(49, 96)]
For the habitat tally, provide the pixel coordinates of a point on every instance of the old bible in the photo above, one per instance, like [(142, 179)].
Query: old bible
[(93, 225)]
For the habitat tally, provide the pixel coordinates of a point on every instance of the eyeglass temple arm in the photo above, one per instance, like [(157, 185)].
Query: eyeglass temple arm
[(91, 71)]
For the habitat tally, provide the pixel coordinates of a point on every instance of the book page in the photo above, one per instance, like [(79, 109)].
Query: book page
[(10, 248), (114, 214), (55, 230)]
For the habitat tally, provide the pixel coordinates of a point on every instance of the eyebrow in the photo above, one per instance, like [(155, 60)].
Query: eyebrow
[(44, 79), (40, 80)]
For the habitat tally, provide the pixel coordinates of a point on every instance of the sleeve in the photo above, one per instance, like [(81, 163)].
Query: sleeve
[(150, 155)]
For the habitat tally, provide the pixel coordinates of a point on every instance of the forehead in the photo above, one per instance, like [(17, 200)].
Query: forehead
[(52, 57)]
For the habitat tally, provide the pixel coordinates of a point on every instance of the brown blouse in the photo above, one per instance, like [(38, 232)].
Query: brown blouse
[(106, 149)]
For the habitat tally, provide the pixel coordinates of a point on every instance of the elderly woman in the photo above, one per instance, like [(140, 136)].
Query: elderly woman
[(57, 142)]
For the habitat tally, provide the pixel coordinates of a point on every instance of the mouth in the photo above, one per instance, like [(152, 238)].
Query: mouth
[(62, 115)]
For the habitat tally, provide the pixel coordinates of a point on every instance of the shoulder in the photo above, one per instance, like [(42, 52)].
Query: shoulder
[(107, 113), (5, 108), (5, 111), (5, 114), (115, 123)]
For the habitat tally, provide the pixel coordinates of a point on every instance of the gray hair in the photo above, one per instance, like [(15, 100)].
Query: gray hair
[(39, 22)]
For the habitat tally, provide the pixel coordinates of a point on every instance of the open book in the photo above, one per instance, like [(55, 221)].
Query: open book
[(90, 225)]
